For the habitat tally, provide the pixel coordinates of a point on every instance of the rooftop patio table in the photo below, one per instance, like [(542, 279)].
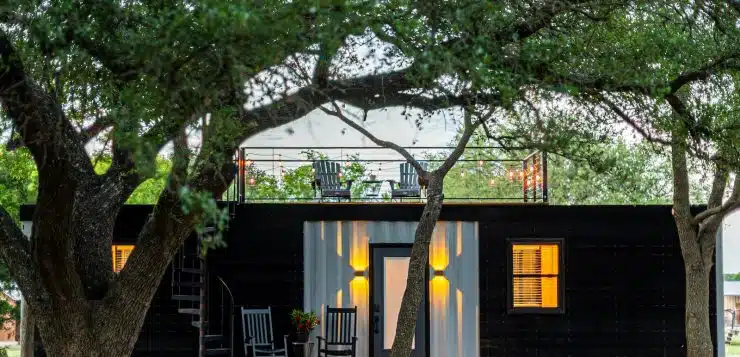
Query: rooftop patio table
[(372, 189)]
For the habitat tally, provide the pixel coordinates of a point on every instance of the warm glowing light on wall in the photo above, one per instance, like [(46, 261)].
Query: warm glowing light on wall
[(339, 298), (359, 295), (458, 239), (459, 300), (358, 291), (438, 255), (358, 252), (439, 289), (339, 238)]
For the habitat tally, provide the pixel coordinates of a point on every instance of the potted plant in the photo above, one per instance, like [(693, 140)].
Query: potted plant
[(304, 322)]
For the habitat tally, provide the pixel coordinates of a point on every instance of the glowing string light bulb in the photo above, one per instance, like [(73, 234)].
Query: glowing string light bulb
[(480, 163), (252, 181), (491, 182)]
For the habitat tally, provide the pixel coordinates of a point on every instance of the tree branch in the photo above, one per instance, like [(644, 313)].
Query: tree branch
[(40, 120), (626, 118), (337, 112), (16, 252), (722, 208), (468, 129)]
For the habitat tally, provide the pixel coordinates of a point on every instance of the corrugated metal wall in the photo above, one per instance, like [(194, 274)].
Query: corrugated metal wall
[(333, 248)]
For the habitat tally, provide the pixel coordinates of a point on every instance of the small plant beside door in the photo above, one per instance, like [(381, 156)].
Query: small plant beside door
[(304, 322)]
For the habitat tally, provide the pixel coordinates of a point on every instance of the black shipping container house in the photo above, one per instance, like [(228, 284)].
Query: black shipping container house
[(504, 280)]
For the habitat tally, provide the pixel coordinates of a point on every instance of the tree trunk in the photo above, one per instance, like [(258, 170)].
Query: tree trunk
[(698, 324), (27, 331), (412, 296)]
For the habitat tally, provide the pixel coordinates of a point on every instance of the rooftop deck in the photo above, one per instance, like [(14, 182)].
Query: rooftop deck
[(367, 175)]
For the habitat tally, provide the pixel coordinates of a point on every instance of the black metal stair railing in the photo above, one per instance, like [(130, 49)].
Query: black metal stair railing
[(190, 289)]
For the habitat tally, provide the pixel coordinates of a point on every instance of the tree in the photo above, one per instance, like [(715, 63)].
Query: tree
[(141, 74), (678, 92), (693, 113), (651, 49)]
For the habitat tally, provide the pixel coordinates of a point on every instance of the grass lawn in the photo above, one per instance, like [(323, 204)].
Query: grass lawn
[(733, 349), (14, 351)]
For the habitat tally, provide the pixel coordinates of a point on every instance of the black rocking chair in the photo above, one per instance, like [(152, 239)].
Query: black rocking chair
[(340, 326)]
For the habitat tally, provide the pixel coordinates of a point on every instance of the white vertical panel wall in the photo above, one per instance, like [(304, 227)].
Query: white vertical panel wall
[(453, 315)]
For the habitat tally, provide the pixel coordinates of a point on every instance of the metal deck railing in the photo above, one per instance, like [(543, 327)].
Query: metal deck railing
[(285, 174)]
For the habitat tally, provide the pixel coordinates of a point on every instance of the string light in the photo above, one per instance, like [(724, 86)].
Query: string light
[(480, 163), (491, 182), (252, 181)]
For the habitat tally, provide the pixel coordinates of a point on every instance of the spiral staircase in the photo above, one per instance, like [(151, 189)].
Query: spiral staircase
[(190, 289)]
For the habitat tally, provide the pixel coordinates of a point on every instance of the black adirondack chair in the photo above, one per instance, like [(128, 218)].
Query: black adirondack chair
[(408, 184), (327, 180), (340, 330)]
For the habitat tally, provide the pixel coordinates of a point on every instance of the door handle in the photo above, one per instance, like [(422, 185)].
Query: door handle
[(376, 324)]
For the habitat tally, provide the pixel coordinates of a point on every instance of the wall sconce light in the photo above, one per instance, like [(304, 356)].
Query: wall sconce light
[(360, 273), (439, 273)]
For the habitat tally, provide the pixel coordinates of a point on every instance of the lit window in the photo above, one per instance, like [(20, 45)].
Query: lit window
[(120, 256), (535, 276)]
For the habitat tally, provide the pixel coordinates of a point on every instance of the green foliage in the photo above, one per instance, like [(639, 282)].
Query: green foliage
[(210, 216), (18, 180), (18, 186), (621, 174), (296, 184), (148, 192), (732, 277)]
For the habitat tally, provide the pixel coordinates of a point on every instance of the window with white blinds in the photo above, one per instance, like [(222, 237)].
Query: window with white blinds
[(535, 275), (120, 256)]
